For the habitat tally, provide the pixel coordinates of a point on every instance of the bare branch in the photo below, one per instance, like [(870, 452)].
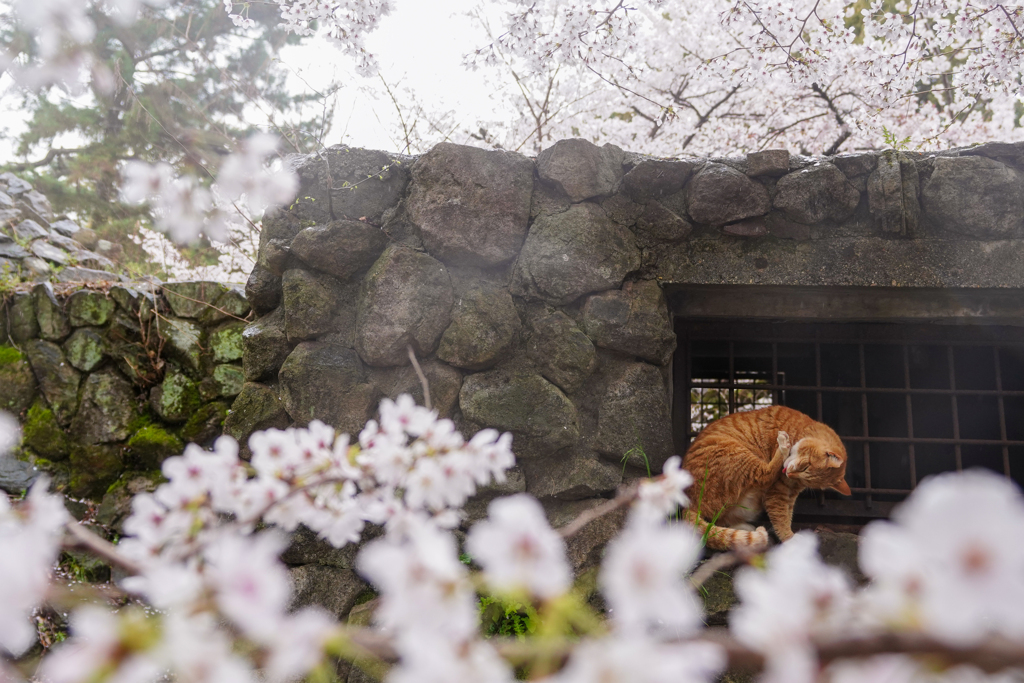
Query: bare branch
[(83, 539), (423, 378), (622, 500)]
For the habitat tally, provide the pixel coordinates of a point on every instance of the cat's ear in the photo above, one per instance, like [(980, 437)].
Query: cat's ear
[(833, 460), (842, 487)]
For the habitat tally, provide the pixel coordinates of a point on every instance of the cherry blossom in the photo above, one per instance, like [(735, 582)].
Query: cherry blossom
[(633, 659), (519, 550), (660, 497)]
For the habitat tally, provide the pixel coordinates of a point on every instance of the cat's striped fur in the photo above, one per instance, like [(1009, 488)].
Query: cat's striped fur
[(759, 460)]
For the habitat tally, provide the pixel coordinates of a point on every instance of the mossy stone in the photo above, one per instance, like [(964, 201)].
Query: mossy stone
[(151, 445), (60, 472), (228, 379), (719, 598), (226, 342), (86, 307), (85, 348), (53, 324), (17, 383), (176, 398), (84, 566), (192, 298), (116, 505), (107, 410), (206, 424), (256, 407), (58, 380), (183, 341), (94, 467), (42, 433), (21, 317), (231, 304), (134, 301)]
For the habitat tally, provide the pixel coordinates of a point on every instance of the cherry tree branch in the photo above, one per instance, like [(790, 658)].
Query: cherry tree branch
[(620, 501), (83, 539)]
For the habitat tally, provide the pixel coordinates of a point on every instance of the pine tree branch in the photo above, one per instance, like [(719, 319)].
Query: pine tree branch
[(50, 156)]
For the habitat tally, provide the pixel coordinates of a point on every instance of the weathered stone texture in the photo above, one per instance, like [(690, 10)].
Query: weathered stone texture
[(542, 420), (574, 253), (975, 197), (257, 407), (85, 348), (720, 194), (17, 383), (443, 380), (574, 476), (175, 399), (53, 323), (659, 224), (192, 298), (817, 193), (330, 588), (339, 248), (326, 382), (471, 205), (309, 302), (633, 320), (634, 424), (343, 183), (768, 162), (561, 351), (652, 179), (265, 346), (580, 168), (58, 381), (107, 409), (263, 289), (406, 301), (484, 327)]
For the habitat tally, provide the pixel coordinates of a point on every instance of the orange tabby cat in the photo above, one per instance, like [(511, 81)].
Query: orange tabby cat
[(759, 460)]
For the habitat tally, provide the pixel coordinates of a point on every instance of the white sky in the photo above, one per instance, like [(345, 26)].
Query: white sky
[(421, 46)]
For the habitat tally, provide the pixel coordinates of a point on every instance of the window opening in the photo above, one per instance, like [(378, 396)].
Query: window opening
[(908, 400)]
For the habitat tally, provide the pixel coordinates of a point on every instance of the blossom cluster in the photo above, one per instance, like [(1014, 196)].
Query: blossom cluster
[(199, 553), (244, 188)]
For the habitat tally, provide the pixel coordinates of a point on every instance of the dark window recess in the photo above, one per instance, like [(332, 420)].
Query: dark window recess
[(908, 400)]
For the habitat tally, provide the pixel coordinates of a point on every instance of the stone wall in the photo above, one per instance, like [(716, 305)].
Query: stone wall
[(111, 378), (533, 291)]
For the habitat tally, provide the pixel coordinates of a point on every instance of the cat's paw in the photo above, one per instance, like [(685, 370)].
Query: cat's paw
[(784, 442), (758, 540)]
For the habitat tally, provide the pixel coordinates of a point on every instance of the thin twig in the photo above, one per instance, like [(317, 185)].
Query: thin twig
[(423, 378), (715, 564), (84, 539), (622, 500)]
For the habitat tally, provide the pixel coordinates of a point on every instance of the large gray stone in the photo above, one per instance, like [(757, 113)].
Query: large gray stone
[(768, 162), (53, 324), (658, 224), (471, 205), (571, 476), (137, 301), (634, 424), (28, 229), (58, 381), (885, 194), (326, 382), (263, 290), (331, 588), (561, 351), (78, 274), (542, 420), (85, 348), (633, 320), (265, 346), (340, 248), (16, 475), (406, 301), (570, 254), (232, 305), (191, 298), (443, 381), (309, 302), (475, 508), (585, 550), (87, 307), (720, 194), (22, 323), (343, 183), (974, 196), (580, 168), (182, 341), (306, 547), (257, 407), (652, 179), (484, 327), (48, 252), (12, 250), (17, 383), (817, 193), (106, 410), (224, 343), (175, 399)]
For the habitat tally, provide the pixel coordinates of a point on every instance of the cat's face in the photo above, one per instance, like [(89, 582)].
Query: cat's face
[(818, 464)]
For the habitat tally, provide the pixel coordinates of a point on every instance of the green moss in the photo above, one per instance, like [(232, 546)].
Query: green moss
[(84, 567), (226, 343), (152, 444), (93, 468), (177, 398), (9, 354), (206, 424), (43, 434)]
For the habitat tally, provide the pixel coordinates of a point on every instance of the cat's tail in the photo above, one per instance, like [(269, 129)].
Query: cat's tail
[(724, 538)]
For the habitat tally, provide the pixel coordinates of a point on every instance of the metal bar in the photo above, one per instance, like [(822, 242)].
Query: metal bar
[(882, 339), (910, 418), (732, 378), (817, 378), (876, 390), (864, 414), (902, 492), (775, 372), (956, 416), (1002, 411)]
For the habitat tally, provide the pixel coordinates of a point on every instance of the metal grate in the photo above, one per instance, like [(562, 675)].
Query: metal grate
[(907, 400)]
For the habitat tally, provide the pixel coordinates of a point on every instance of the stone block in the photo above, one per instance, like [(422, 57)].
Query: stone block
[(443, 380), (264, 347), (330, 588), (190, 299), (136, 301), (309, 301), (106, 410), (326, 382), (175, 399), (975, 197), (182, 341), (43, 434), (17, 382), (484, 327), (471, 205), (563, 354), (255, 408), (263, 290), (653, 179), (340, 248), (659, 224), (53, 324), (542, 420), (817, 193), (771, 162), (406, 300), (85, 348), (751, 227), (571, 475), (634, 424), (232, 305), (634, 320), (58, 380), (94, 467), (225, 342), (580, 168), (574, 253), (89, 308), (349, 184), (22, 322), (720, 194)]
